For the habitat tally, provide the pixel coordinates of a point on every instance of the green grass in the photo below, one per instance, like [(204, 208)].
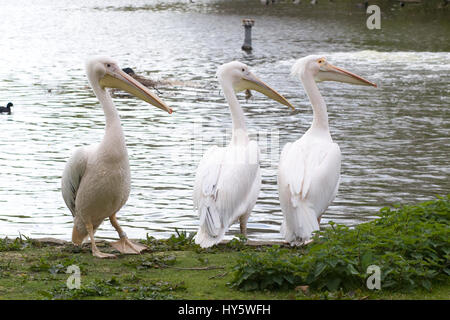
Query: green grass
[(39, 273), (410, 244)]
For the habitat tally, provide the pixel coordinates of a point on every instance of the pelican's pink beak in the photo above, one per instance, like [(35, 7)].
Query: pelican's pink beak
[(329, 72)]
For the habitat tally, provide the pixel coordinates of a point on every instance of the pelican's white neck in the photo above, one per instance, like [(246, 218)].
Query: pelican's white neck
[(320, 118), (239, 134), (113, 128)]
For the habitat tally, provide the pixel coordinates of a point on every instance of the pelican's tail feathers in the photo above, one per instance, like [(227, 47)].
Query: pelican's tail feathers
[(211, 230), (79, 231), (78, 236), (205, 240), (299, 225)]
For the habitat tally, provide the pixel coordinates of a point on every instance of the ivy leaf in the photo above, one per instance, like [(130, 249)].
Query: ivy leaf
[(333, 284), (319, 269), (366, 260)]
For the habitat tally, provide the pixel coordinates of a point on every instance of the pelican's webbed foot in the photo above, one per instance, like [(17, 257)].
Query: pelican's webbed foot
[(125, 246), (103, 255)]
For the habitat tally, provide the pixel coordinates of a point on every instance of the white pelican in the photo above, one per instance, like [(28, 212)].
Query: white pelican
[(96, 180), (228, 179), (309, 169)]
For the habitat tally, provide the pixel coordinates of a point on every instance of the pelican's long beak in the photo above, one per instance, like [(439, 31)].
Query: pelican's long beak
[(328, 72), (121, 80), (251, 82)]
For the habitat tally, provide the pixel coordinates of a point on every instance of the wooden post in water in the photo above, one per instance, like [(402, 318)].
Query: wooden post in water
[(248, 24)]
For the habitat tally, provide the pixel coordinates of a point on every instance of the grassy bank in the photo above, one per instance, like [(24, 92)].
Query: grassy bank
[(410, 243)]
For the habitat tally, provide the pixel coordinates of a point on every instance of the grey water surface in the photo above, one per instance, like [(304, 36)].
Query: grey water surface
[(394, 138)]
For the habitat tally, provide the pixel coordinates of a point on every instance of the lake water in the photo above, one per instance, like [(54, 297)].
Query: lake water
[(394, 139)]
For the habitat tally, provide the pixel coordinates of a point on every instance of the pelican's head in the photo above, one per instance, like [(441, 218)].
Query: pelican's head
[(241, 78), (319, 68), (106, 73)]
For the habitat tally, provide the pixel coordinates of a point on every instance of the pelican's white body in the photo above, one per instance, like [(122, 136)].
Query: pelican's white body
[(226, 188), (309, 169), (105, 186), (308, 180), (228, 179), (96, 179)]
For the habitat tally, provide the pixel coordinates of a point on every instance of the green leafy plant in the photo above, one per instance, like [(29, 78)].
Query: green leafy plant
[(17, 244), (152, 262), (96, 288), (181, 240), (238, 243), (155, 290), (45, 265), (274, 269), (410, 244), (158, 290)]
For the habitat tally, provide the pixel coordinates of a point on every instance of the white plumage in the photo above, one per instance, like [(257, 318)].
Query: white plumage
[(309, 169), (308, 180), (226, 189), (95, 183), (228, 179)]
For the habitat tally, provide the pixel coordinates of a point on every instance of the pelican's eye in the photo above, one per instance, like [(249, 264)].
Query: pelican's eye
[(243, 69), (108, 65), (320, 61)]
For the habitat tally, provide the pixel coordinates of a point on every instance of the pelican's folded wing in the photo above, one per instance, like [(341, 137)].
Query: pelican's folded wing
[(205, 189), (227, 184), (71, 178), (300, 165)]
